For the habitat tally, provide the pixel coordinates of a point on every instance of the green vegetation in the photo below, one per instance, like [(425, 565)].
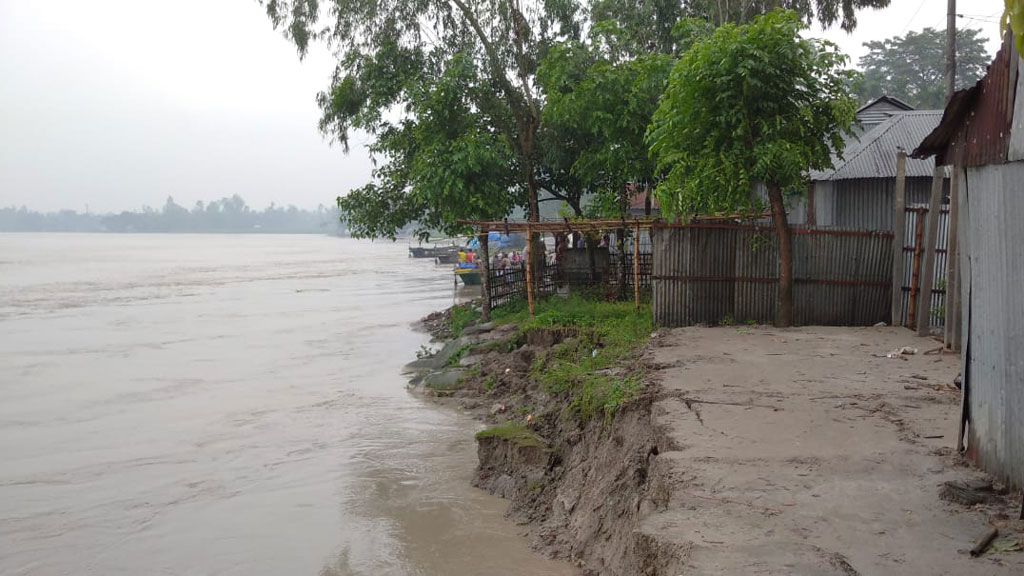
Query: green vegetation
[(751, 104), (536, 486), (453, 96), (514, 432), (581, 366), (912, 67), (462, 315), (459, 354), (1013, 17)]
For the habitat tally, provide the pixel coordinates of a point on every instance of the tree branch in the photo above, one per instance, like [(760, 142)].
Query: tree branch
[(492, 55)]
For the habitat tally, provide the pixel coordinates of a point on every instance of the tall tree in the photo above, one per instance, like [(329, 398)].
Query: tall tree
[(597, 108), (448, 92), (388, 50), (752, 103), (911, 67)]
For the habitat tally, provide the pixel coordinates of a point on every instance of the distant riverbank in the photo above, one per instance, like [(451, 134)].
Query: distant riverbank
[(225, 216)]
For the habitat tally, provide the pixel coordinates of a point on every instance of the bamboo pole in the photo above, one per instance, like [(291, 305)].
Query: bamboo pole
[(636, 266), (931, 237), (899, 225), (529, 268)]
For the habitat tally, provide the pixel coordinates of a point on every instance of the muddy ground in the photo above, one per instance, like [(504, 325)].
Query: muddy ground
[(809, 451), (753, 450)]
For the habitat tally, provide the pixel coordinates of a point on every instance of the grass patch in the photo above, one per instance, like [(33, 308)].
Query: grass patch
[(459, 354), (513, 432), (502, 345), (610, 332), (536, 486), (462, 315)]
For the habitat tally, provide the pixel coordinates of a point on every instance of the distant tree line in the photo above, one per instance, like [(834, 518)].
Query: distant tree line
[(912, 67), (227, 215)]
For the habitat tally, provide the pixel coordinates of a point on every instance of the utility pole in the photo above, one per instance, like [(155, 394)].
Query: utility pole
[(950, 48)]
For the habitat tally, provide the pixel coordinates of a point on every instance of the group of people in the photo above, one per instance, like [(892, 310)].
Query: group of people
[(503, 261), (500, 262)]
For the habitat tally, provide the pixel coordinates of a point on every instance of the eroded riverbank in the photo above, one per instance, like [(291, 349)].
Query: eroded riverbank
[(745, 450)]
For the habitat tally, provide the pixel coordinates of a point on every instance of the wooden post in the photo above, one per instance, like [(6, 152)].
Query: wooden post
[(636, 266), (810, 212), (529, 269), (931, 236), (484, 265), (915, 270), (953, 320), (899, 225)]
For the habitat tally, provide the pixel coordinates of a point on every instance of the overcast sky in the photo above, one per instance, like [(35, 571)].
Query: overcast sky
[(119, 103)]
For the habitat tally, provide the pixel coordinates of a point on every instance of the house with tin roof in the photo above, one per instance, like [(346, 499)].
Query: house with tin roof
[(858, 192)]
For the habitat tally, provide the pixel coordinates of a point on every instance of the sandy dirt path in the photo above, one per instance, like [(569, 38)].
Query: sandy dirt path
[(807, 451)]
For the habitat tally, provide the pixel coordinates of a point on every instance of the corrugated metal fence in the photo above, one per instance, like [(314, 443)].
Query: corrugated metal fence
[(709, 274), (913, 254)]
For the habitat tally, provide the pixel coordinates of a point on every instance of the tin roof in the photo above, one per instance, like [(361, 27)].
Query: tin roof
[(875, 155), (895, 102), (975, 128)]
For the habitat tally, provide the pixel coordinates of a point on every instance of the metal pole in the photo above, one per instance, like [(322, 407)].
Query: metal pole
[(924, 302), (529, 269), (899, 225), (636, 266), (950, 48)]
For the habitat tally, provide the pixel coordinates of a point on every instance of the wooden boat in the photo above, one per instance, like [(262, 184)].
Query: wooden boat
[(435, 252), (448, 258), (469, 276)]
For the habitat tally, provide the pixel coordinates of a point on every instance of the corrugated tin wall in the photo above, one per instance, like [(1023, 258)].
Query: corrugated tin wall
[(866, 204), (991, 241), (715, 274)]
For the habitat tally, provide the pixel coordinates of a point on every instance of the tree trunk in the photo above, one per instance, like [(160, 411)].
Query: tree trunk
[(784, 312), (484, 264), (533, 215)]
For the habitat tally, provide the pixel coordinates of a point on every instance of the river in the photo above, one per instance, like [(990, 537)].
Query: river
[(231, 404)]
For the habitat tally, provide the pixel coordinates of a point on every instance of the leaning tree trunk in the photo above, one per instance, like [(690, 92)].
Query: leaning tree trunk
[(784, 312), (536, 255), (485, 269)]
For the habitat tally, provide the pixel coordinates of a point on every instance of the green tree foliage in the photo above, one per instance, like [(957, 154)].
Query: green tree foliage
[(445, 87), (596, 114), (825, 12), (912, 67), (452, 96), (1013, 18), (752, 103)]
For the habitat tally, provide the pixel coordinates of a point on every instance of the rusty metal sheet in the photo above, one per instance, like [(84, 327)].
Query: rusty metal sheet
[(975, 127)]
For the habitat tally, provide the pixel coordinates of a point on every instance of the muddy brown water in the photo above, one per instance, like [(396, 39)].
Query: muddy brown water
[(218, 404)]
